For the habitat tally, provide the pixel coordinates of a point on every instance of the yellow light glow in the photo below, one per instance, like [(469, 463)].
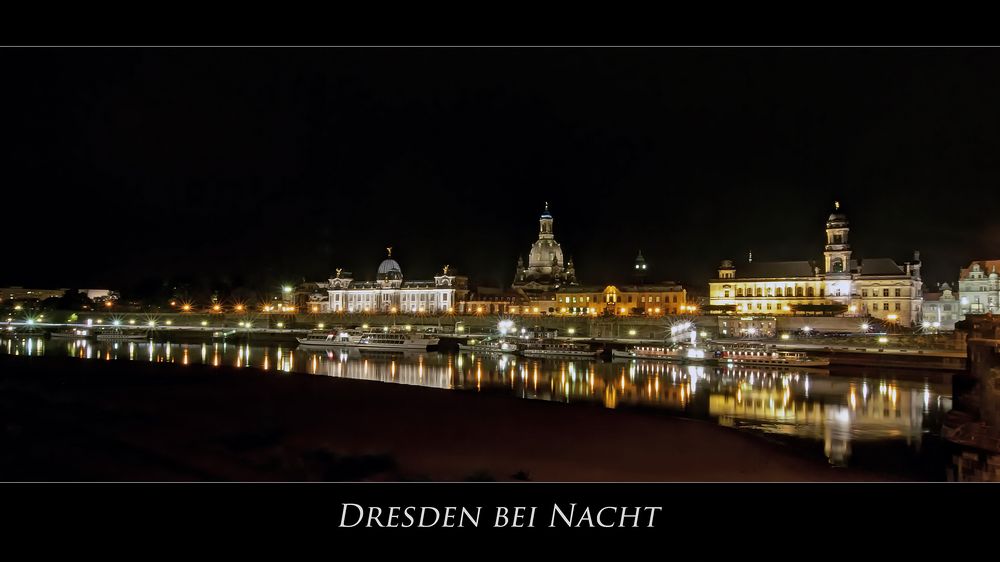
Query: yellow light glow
[(216, 308)]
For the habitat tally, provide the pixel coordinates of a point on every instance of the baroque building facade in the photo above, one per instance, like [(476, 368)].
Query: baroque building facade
[(876, 287), (390, 293), (979, 287), (941, 310)]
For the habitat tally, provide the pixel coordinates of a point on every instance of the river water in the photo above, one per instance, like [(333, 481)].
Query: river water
[(884, 419)]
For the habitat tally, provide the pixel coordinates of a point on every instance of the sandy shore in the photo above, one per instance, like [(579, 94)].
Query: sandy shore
[(69, 419)]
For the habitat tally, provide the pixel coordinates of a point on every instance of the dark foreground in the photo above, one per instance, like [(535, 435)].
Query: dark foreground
[(67, 419)]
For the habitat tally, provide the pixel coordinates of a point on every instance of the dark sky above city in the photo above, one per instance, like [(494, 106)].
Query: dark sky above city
[(269, 165)]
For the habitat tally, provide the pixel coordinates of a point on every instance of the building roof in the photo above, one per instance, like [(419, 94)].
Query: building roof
[(932, 297), (987, 266), (772, 269), (878, 266)]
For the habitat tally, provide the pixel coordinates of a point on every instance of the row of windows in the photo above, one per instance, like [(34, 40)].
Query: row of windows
[(778, 292), (885, 292)]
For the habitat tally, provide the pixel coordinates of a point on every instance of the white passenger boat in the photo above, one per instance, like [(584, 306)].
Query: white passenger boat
[(761, 354), (489, 345), (376, 340), (553, 348), (679, 353), (73, 334), (341, 338), (122, 336)]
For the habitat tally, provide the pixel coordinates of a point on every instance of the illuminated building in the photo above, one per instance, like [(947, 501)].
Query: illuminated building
[(545, 270), (491, 300), (624, 299), (979, 288), (389, 293), (840, 284), (942, 309), (22, 294)]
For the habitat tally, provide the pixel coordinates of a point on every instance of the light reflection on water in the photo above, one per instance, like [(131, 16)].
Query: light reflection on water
[(812, 405)]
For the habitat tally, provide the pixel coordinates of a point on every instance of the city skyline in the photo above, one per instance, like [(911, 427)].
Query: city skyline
[(282, 165)]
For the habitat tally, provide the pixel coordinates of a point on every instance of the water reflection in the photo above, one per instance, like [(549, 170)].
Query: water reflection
[(833, 410)]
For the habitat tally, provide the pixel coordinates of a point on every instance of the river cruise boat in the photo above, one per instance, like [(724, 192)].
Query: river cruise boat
[(554, 348), (489, 345), (72, 334), (679, 353), (122, 336), (760, 354), (342, 338), (375, 340)]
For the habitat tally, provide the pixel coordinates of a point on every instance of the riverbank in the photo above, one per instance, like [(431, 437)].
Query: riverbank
[(68, 419)]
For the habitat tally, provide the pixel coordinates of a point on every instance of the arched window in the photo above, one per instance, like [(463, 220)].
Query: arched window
[(760, 292), (798, 291), (778, 291), (739, 291), (809, 291), (770, 292), (837, 265)]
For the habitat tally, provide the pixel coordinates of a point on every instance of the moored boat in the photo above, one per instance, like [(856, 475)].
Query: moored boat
[(555, 348), (760, 354), (376, 340), (665, 353), (72, 333), (121, 336), (489, 345)]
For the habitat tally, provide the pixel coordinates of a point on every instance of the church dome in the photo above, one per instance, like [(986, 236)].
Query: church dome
[(544, 253), (389, 269)]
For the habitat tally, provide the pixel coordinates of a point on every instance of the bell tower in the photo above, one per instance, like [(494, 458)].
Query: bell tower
[(837, 252), (545, 224)]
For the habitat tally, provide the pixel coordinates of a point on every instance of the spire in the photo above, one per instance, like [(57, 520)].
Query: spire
[(750, 257), (389, 249), (836, 205)]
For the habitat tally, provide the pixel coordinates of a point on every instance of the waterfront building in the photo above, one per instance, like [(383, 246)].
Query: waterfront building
[(491, 300), (12, 294), (622, 299), (941, 310), (390, 293), (839, 284), (545, 270), (979, 288)]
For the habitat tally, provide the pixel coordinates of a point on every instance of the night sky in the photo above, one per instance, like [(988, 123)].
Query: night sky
[(262, 166)]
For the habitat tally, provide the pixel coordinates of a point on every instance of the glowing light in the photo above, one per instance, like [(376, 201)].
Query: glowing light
[(281, 324), (286, 289), (571, 331), (883, 339), (239, 308), (892, 317), (131, 320), (785, 336), (116, 322), (204, 323), (216, 307), (807, 329), (631, 332), (864, 326), (320, 325), (108, 304), (186, 308), (151, 323), (926, 324)]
